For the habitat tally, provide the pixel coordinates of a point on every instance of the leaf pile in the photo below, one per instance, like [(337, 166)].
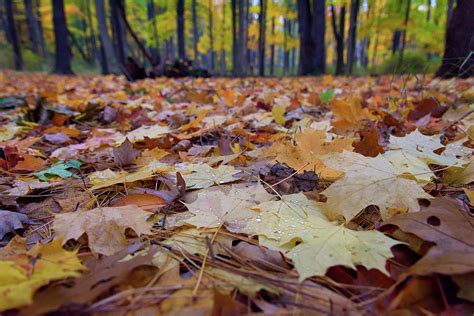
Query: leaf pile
[(225, 196)]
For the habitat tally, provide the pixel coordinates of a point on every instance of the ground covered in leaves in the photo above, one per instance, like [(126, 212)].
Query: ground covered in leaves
[(218, 196)]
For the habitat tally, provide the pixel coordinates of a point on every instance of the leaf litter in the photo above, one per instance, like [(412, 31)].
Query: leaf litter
[(324, 195)]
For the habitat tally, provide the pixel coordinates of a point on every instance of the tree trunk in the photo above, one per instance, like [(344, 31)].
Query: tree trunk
[(180, 23), (428, 10), (118, 30), (339, 36), (318, 34), (449, 13), (44, 52), (307, 50), (458, 58), (195, 31), (109, 61), (355, 4), (4, 22), (211, 37), (242, 46), (272, 49), (235, 71), (32, 25), (404, 34), (262, 20), (63, 56), (92, 31), (223, 54), (154, 49), (13, 35)]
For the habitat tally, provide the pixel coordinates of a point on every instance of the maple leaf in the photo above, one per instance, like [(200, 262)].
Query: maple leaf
[(104, 226), (368, 145), (447, 225), (201, 176), (60, 169), (369, 181), (349, 114), (125, 154), (107, 177), (139, 134), (297, 227), (215, 207), (11, 221), (23, 274), (459, 175), (305, 155)]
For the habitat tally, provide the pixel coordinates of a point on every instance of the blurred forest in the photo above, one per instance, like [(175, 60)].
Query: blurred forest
[(237, 37)]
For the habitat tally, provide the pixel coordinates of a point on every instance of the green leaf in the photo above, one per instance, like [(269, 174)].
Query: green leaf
[(327, 95), (59, 169)]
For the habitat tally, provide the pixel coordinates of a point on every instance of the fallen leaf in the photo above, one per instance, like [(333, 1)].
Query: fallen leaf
[(125, 154), (447, 225), (297, 227), (29, 164), (105, 226), (11, 221), (369, 181), (59, 169), (368, 145), (143, 201), (201, 176)]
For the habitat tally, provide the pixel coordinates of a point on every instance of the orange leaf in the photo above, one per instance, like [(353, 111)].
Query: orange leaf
[(144, 201), (29, 164)]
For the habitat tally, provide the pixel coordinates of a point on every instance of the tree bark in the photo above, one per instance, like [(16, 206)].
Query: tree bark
[(223, 54), (242, 43), (13, 35), (286, 52), (318, 34), (195, 31), (180, 23), (458, 58), (339, 36), (109, 61), (118, 30), (63, 56), (211, 37), (154, 49), (262, 19), (272, 49), (355, 4), (307, 50), (44, 52), (32, 25), (92, 31)]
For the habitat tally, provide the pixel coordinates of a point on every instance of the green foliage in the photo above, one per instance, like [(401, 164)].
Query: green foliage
[(412, 63)]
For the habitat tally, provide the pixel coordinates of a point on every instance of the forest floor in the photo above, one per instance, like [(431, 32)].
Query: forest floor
[(326, 195)]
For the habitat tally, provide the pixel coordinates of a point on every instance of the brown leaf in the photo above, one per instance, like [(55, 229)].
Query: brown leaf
[(124, 155), (144, 201), (368, 145), (448, 225), (427, 106)]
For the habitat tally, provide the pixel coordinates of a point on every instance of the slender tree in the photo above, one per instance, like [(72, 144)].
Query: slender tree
[(63, 54), (13, 35), (235, 59), (211, 36), (223, 68), (242, 39), (92, 36), (351, 45), (154, 49), (118, 30), (318, 30), (109, 61), (307, 64), (262, 21), (44, 52), (458, 58), (180, 24), (32, 25), (339, 36), (405, 30), (195, 30), (272, 48)]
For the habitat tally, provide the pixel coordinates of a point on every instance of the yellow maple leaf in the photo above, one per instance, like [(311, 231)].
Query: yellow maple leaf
[(104, 226), (24, 273), (369, 181), (305, 154), (297, 227), (201, 176)]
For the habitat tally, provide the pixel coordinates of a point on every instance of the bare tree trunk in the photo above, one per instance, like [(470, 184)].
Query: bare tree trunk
[(286, 52), (318, 33), (92, 31), (223, 55), (272, 49), (211, 36), (339, 36), (118, 30), (44, 53), (180, 23), (458, 59), (63, 56), (307, 50), (449, 12), (428, 11), (13, 35), (235, 58), (195, 31), (242, 46), (404, 36), (32, 25), (262, 19), (355, 4), (154, 49), (109, 61)]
